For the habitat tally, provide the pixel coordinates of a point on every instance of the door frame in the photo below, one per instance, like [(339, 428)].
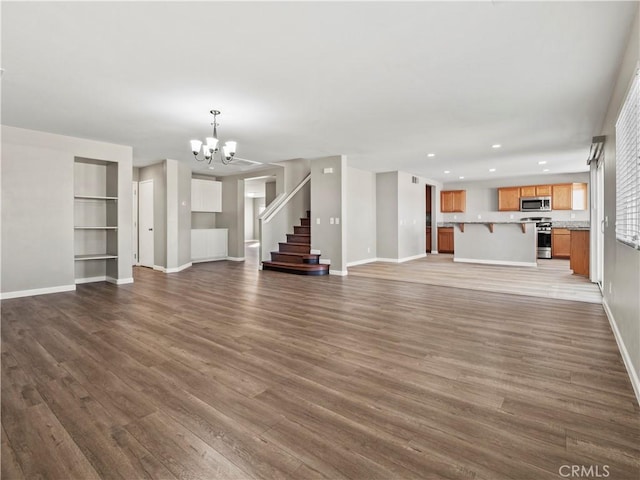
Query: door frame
[(134, 229), (140, 201)]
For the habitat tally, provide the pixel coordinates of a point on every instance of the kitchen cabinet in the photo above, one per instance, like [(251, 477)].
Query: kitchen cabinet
[(452, 201), (560, 243), (206, 195), (529, 191), (445, 240), (579, 196), (561, 196), (543, 190), (579, 257), (208, 244), (509, 199)]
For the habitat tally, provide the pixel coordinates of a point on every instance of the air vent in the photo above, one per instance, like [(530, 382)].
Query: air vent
[(414, 179)]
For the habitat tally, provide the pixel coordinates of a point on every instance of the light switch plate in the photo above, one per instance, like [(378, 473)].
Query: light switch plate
[(317, 221)]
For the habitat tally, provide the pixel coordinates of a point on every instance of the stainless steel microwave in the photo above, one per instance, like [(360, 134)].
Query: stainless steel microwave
[(535, 204)]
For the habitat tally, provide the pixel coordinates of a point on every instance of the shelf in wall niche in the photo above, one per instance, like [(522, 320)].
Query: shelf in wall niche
[(93, 197), (95, 228), (95, 256)]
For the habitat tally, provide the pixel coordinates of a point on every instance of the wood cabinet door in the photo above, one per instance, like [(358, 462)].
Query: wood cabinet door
[(428, 240), (528, 191), (459, 200), (446, 201), (543, 190), (445, 240), (561, 196), (560, 243), (509, 199)]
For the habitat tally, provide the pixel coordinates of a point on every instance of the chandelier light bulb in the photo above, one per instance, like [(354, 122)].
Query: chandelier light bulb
[(195, 146), (212, 143)]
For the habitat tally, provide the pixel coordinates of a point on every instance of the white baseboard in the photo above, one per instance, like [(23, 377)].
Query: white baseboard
[(361, 262), (37, 291), (315, 252), (100, 278), (177, 269), (324, 261), (401, 260), (626, 358), (341, 273), (120, 281), (159, 268), (236, 259), (495, 262), (201, 260)]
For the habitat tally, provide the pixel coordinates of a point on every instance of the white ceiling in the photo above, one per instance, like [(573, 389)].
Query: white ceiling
[(384, 83)]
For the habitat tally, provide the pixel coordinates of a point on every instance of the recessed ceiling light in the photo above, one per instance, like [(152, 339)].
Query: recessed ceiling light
[(545, 170), (460, 177), (542, 162), (431, 154), (447, 171), (496, 145), (492, 169)]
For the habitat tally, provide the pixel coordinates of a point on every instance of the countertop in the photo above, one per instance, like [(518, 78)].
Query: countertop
[(484, 222)]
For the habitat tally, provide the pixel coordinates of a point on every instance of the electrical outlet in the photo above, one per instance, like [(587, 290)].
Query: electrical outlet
[(573, 215), (511, 216), (479, 216), (368, 249), (317, 221), (455, 217), (331, 220), (337, 220)]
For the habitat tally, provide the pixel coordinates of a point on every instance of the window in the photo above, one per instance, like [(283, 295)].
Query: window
[(628, 168)]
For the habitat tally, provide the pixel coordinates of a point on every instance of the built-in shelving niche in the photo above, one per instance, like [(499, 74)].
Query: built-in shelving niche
[(95, 220)]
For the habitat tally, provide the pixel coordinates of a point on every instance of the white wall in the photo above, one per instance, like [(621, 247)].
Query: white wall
[(248, 219), (387, 215), (482, 198), (411, 216), (361, 212), (328, 200), (37, 207), (178, 214), (621, 263), (158, 173)]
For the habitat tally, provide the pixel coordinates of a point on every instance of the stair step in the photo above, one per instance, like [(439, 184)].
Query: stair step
[(297, 268), (294, 247), (293, 257), (298, 238), (305, 222), (303, 230)]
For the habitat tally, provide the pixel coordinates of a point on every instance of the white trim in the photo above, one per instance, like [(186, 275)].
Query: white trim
[(178, 269), (160, 268), (37, 291), (626, 358), (361, 262), (212, 259), (495, 262), (268, 215), (120, 281), (236, 259), (434, 252), (401, 260), (324, 261), (315, 251), (101, 278), (341, 273)]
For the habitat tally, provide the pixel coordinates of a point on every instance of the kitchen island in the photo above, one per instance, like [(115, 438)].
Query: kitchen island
[(497, 243)]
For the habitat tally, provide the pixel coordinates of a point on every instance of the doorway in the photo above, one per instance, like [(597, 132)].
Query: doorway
[(428, 218), (134, 229), (145, 222)]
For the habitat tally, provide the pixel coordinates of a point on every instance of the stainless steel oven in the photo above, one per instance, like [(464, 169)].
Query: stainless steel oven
[(543, 235)]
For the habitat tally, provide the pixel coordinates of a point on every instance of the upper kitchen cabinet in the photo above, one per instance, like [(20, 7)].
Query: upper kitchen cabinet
[(535, 191), (561, 196), (453, 201), (529, 191), (509, 199), (206, 195)]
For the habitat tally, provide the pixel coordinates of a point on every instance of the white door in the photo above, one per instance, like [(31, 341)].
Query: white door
[(145, 221), (600, 223), (134, 230)]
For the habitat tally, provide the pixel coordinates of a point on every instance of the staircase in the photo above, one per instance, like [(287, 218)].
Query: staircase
[(294, 255)]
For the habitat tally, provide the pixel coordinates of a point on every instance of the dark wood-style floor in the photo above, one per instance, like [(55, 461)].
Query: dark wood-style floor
[(224, 372)]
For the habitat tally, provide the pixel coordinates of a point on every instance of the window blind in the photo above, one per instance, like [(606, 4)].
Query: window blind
[(628, 168)]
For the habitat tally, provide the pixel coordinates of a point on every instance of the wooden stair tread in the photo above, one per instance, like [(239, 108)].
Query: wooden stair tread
[(300, 268), (297, 254), (294, 243)]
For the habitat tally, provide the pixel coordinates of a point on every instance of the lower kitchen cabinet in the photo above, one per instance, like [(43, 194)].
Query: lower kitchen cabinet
[(445, 240), (560, 243), (208, 244), (579, 261)]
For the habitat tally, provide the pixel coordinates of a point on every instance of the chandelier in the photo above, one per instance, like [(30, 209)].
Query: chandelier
[(210, 147)]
